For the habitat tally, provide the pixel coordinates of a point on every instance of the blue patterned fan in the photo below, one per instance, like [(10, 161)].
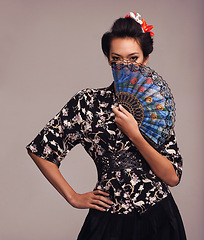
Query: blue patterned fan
[(147, 97)]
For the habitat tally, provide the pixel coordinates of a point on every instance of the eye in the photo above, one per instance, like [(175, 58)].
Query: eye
[(134, 58), (114, 58)]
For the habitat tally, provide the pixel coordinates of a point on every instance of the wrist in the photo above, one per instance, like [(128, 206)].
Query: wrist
[(136, 137), (71, 196)]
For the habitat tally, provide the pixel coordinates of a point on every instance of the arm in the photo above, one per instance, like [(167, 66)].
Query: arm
[(159, 164), (95, 199)]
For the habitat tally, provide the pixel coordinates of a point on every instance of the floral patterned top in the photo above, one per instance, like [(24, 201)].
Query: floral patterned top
[(88, 119)]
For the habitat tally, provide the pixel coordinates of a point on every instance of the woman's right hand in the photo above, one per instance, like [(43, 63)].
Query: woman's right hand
[(96, 199)]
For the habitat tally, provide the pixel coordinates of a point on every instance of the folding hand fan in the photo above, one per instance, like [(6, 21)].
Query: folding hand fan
[(147, 97)]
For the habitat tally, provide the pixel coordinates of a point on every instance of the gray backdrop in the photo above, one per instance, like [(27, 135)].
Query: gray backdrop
[(51, 49)]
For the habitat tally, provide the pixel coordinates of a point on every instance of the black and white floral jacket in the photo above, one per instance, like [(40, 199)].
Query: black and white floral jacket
[(88, 119)]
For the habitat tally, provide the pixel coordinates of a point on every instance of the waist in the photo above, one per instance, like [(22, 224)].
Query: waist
[(121, 160), (164, 203), (132, 188)]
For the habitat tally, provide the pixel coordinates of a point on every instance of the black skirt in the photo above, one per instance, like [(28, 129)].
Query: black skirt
[(161, 222)]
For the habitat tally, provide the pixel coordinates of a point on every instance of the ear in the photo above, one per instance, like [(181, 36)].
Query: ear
[(145, 60)]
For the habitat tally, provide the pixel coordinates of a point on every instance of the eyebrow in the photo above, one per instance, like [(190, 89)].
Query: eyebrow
[(128, 55)]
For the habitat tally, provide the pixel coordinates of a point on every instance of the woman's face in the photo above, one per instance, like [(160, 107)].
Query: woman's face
[(126, 49)]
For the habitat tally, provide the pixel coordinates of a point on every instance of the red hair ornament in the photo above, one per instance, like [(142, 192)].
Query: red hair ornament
[(145, 27)]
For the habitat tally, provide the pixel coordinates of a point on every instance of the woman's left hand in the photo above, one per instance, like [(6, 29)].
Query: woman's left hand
[(126, 122), (159, 164)]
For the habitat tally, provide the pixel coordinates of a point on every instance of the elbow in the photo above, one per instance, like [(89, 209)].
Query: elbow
[(29, 152), (174, 181)]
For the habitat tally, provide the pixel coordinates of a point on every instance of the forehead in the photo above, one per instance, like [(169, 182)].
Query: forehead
[(124, 46)]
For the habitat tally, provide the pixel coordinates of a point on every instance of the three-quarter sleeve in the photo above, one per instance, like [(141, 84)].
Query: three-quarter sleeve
[(171, 151), (60, 134)]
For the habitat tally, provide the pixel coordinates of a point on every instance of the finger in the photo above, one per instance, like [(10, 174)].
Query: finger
[(101, 204), (116, 107), (97, 207), (97, 192), (119, 113), (123, 110), (103, 199), (115, 110)]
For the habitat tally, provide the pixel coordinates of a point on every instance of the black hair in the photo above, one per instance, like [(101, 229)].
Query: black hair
[(127, 27)]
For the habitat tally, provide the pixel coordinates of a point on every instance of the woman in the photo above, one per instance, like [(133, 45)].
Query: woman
[(131, 199)]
